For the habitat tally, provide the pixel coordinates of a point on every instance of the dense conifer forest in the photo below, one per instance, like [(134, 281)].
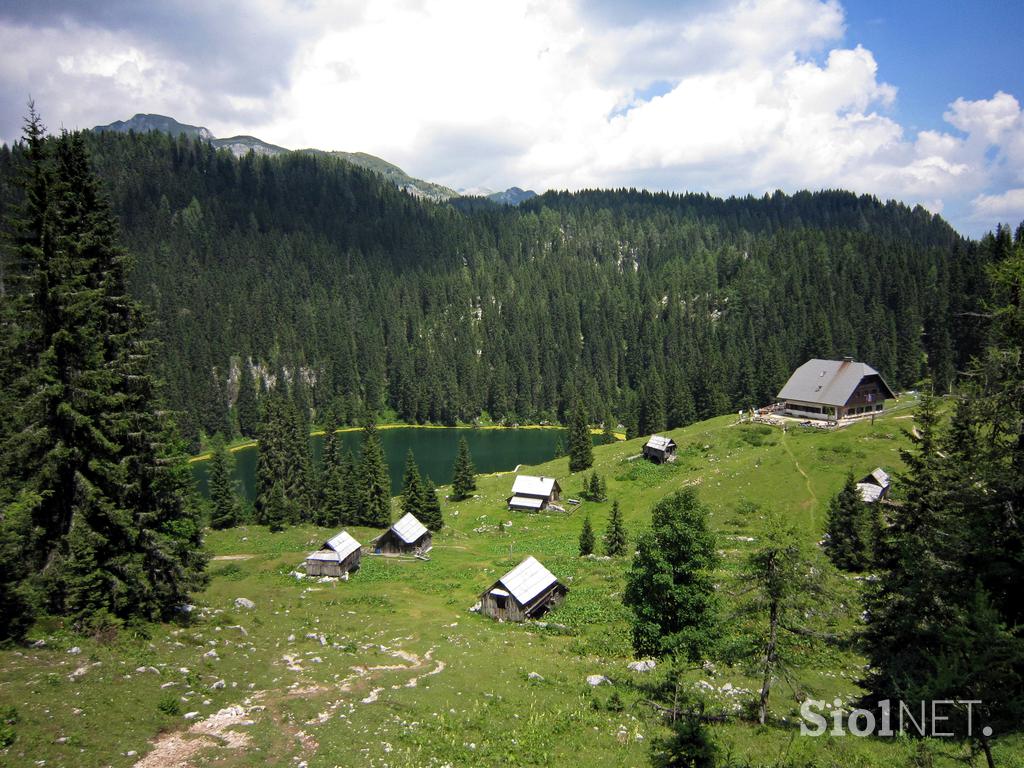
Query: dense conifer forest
[(653, 310)]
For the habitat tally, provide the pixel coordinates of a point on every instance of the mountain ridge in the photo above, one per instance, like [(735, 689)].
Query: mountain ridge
[(242, 144)]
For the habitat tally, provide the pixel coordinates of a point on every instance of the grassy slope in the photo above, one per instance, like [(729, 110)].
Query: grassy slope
[(480, 708)]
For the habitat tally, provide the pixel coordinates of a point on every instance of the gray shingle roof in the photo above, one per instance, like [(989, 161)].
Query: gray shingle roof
[(878, 476), (829, 382), (527, 580), (409, 529)]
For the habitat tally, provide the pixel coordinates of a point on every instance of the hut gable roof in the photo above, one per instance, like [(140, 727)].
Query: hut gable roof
[(660, 443), (409, 529), (869, 492), (528, 485), (527, 580), (877, 476), (342, 545), (830, 382)]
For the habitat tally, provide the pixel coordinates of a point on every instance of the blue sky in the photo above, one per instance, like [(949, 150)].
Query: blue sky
[(915, 101), (938, 51)]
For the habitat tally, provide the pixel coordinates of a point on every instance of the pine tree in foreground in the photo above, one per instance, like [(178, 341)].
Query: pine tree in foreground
[(375, 483), (586, 538), (224, 502), (581, 451), (615, 540), (850, 530), (432, 516), (463, 473), (413, 492), (89, 453)]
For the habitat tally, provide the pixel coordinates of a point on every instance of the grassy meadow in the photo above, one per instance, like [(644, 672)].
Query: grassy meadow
[(391, 668)]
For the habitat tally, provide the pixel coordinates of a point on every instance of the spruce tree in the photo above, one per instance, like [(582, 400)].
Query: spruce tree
[(223, 501), (581, 452), (350, 505), (332, 480), (586, 538), (432, 515), (850, 531), (374, 481), (670, 586), (615, 541), (413, 498), (463, 473), (87, 442)]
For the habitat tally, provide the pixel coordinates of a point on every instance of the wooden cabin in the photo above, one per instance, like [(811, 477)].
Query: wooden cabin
[(528, 591), (834, 389), (874, 486), (533, 494), (338, 556), (406, 537), (660, 449)]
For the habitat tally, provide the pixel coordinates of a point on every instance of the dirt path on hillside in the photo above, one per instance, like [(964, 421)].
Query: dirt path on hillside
[(181, 749), (807, 479)]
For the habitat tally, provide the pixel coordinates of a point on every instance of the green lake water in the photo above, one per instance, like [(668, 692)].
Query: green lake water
[(493, 450)]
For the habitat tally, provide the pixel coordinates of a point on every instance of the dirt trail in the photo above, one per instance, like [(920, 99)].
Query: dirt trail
[(181, 749), (807, 479), (176, 750)]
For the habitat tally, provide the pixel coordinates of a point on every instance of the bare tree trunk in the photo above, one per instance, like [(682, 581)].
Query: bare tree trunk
[(987, 747), (769, 661)]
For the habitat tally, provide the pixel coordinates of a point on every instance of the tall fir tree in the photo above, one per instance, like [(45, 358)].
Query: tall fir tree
[(851, 529), (586, 538), (463, 473), (224, 505), (413, 492), (86, 442), (375, 483), (615, 541), (581, 451), (432, 516)]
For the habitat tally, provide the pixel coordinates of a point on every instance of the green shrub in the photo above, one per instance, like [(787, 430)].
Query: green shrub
[(169, 705)]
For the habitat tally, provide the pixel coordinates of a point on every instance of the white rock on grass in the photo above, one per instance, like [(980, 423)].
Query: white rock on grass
[(244, 602), (596, 680), (74, 651), (218, 685), (211, 654), (535, 676), (644, 665), (191, 715)]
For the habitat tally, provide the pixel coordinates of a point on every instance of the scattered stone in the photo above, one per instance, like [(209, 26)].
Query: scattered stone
[(535, 676), (168, 685), (475, 608), (644, 665), (211, 654), (39, 644), (130, 753), (74, 651), (191, 715), (61, 740), (291, 638), (218, 685), (244, 602), (595, 680)]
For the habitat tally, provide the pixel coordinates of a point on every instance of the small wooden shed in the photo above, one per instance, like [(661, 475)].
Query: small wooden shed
[(528, 591), (338, 556), (660, 449), (874, 486), (532, 494), (406, 537)]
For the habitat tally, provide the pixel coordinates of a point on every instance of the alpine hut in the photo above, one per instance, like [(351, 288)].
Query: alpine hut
[(874, 486), (660, 449), (833, 390), (533, 493), (406, 537), (336, 557), (526, 592)]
